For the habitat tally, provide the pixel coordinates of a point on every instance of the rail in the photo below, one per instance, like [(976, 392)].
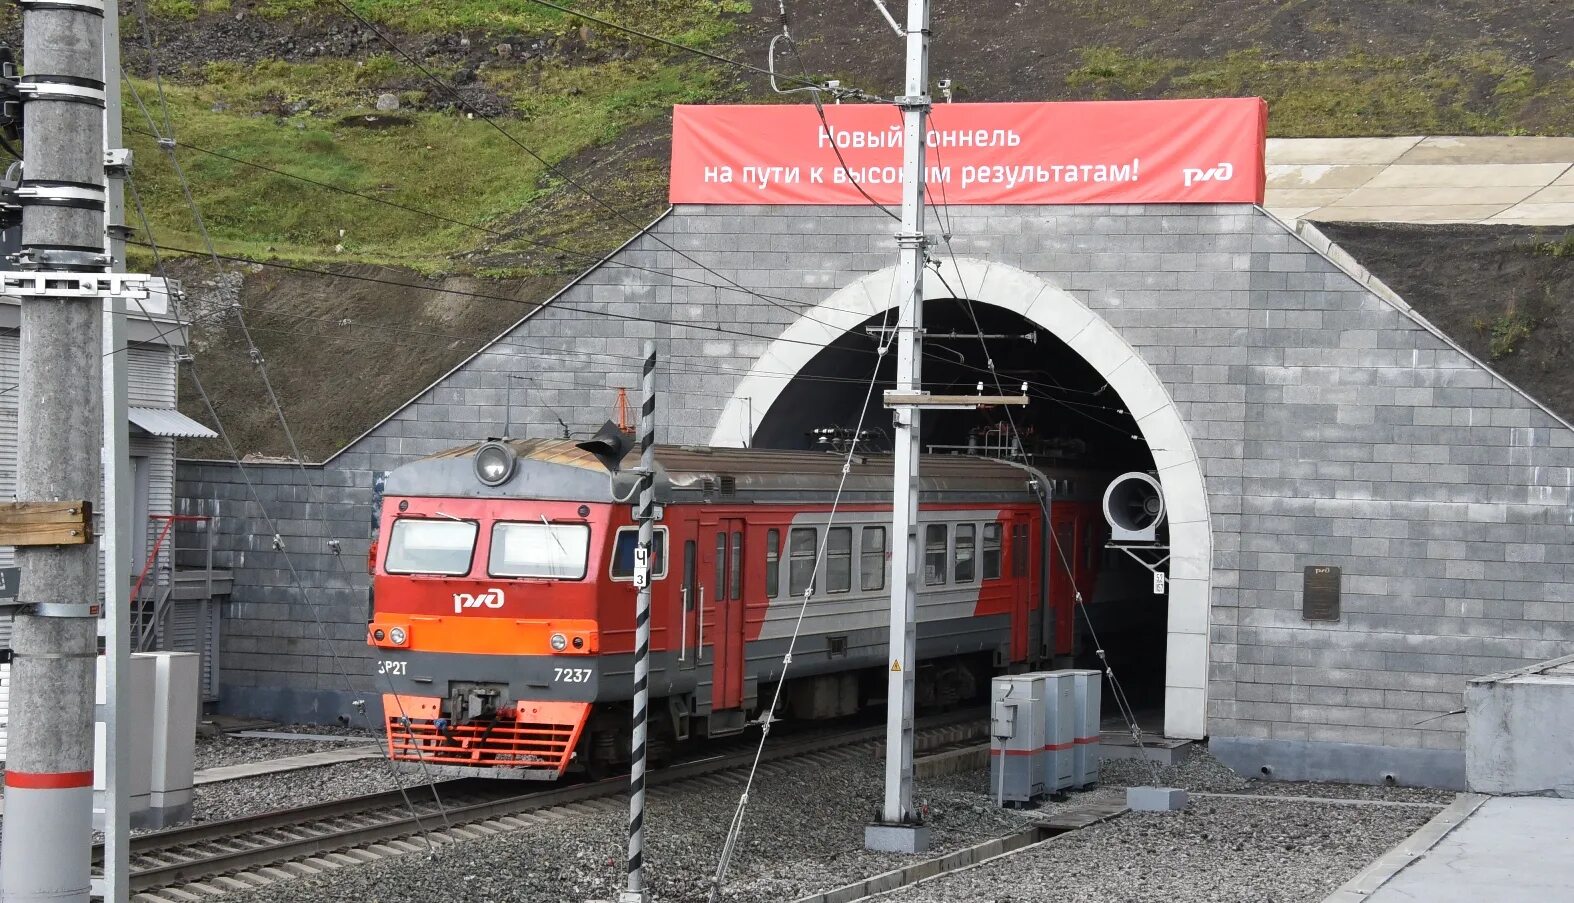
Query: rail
[(169, 859)]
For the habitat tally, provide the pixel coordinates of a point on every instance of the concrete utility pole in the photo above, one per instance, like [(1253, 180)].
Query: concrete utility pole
[(44, 852), (635, 893), (899, 828)]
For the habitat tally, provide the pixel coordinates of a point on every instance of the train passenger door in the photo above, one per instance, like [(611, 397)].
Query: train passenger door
[(689, 612), (726, 553), (1064, 582), (1021, 586)]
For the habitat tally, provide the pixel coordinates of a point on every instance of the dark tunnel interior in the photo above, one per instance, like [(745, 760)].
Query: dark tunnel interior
[(1073, 420)]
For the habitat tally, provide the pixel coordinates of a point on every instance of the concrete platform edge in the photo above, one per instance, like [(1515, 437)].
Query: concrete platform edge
[(1407, 851), (290, 763)]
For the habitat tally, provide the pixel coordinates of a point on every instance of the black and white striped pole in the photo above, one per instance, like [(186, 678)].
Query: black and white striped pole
[(635, 893)]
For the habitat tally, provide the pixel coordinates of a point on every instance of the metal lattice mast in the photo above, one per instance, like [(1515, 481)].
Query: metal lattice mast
[(898, 806), (115, 626), (49, 778), (635, 893)]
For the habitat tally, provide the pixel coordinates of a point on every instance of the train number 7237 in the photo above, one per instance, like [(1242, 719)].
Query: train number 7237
[(571, 675)]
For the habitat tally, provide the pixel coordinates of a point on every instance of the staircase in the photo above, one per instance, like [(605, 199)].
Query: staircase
[(174, 602)]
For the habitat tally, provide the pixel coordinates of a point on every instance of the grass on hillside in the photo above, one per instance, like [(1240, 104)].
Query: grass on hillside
[(312, 120), (686, 21), (1353, 95)]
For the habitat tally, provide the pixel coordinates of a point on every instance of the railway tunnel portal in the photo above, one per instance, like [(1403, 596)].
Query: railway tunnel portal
[(1017, 329), (1363, 516)]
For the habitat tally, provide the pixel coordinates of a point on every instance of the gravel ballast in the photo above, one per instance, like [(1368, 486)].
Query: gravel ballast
[(301, 787), (1216, 850), (805, 834)]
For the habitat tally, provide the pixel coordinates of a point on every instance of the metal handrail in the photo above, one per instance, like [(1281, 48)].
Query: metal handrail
[(149, 626)]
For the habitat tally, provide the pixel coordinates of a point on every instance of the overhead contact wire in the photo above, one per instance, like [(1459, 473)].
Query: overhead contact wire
[(168, 144)]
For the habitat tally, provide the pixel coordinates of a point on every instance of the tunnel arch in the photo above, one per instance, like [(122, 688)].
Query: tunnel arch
[(1068, 319)]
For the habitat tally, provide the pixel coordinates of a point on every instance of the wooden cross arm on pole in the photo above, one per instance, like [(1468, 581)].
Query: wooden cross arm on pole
[(68, 523)]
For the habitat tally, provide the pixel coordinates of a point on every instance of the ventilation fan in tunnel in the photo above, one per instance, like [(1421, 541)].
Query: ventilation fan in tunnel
[(1134, 507)]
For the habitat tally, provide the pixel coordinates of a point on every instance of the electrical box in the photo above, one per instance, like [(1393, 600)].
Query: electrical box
[(1085, 757), (1017, 741), (1060, 729)]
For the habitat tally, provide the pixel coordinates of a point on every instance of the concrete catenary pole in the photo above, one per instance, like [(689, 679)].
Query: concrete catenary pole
[(44, 851), (636, 893), (899, 826)]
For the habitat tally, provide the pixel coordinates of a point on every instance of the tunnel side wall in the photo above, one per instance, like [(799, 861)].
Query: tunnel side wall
[(1331, 429)]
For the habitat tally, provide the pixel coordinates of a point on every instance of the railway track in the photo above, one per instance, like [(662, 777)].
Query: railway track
[(202, 861)]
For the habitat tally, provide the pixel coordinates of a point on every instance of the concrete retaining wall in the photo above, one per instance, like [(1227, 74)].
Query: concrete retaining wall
[(1519, 737)]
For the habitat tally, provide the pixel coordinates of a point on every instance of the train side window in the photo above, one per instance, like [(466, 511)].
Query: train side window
[(935, 555), (419, 546), (721, 566), (773, 562), (803, 544), (871, 566), (991, 551), (736, 562), (623, 553), (690, 552), (839, 559), (966, 541)]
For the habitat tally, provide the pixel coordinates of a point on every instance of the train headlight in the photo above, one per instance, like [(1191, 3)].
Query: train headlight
[(397, 635), (494, 463), (559, 642), (378, 634)]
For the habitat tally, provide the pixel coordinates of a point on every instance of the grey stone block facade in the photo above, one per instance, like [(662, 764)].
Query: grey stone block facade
[(1330, 424)]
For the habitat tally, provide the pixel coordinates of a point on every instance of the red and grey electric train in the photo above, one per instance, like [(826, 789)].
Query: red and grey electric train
[(503, 596)]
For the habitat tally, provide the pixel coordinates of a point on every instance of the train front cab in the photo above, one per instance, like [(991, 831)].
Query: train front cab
[(486, 631)]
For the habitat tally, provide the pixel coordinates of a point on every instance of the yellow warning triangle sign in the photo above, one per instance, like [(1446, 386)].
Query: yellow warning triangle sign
[(896, 664)]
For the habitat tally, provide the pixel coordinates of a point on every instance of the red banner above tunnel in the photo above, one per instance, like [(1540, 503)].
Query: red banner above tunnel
[(1091, 152)]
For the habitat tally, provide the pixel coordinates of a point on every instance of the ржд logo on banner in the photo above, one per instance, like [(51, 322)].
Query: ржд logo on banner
[(1085, 152)]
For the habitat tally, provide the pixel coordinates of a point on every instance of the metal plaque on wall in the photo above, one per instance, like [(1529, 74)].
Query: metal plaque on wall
[(1320, 593)]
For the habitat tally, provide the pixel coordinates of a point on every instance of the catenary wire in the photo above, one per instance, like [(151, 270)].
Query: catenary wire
[(735, 827), (657, 39), (606, 260), (549, 167), (169, 147), (819, 108), (1117, 690), (555, 305), (272, 526), (594, 259)]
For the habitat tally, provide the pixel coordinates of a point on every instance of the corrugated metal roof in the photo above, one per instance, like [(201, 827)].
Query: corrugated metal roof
[(167, 423)]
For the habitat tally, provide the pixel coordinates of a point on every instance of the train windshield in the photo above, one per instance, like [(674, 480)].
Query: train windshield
[(539, 550), (430, 546)]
